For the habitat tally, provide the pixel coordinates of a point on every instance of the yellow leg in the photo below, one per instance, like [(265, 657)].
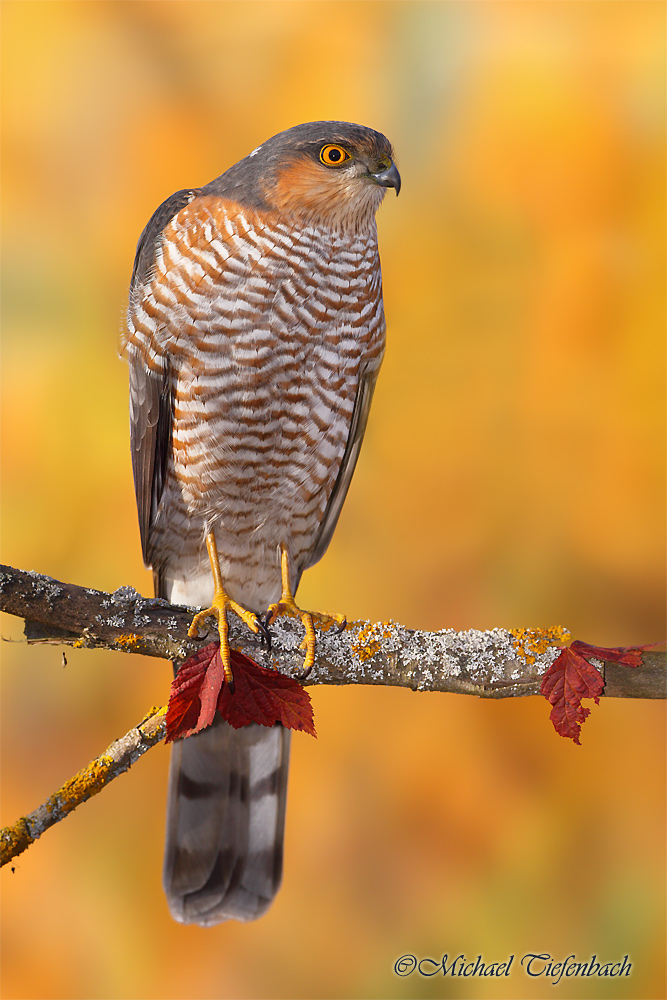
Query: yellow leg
[(219, 608), (288, 606)]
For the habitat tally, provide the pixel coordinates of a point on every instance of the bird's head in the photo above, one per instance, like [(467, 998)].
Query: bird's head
[(331, 174)]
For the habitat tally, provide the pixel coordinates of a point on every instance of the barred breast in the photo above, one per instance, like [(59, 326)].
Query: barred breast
[(265, 336)]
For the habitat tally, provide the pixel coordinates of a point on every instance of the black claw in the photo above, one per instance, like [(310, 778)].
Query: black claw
[(230, 685), (341, 628), (264, 634), (304, 675)]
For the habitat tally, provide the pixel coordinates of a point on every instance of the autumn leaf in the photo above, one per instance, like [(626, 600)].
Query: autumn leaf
[(260, 695), (629, 656), (184, 711), (572, 677)]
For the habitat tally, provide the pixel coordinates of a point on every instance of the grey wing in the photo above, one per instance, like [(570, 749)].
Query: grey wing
[(150, 392), (150, 441), (144, 257), (362, 406)]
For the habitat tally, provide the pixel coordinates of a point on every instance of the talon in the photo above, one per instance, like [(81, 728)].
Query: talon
[(285, 606), (264, 633), (220, 606), (199, 628), (288, 606)]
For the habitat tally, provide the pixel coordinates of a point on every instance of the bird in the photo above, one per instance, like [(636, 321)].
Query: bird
[(254, 336)]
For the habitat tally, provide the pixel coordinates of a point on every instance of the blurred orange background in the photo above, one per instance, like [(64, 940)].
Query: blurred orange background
[(512, 475)]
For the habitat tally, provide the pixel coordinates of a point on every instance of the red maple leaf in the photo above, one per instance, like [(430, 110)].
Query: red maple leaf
[(260, 695), (572, 677)]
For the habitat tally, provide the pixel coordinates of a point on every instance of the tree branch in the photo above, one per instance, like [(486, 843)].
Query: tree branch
[(87, 782), (499, 663)]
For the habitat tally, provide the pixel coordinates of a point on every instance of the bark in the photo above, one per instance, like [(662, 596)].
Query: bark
[(499, 663), (87, 782)]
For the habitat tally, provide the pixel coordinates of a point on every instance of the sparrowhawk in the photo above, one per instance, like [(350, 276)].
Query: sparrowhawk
[(254, 338)]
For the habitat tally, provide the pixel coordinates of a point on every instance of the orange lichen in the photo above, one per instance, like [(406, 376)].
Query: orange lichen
[(531, 643), (369, 640), (130, 641), (14, 840), (154, 710), (87, 782)]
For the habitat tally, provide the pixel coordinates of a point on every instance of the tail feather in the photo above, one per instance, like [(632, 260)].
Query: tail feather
[(225, 815), (225, 822)]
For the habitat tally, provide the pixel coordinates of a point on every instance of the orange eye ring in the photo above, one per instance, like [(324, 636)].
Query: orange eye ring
[(332, 155)]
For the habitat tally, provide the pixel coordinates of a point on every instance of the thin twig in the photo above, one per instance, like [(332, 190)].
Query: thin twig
[(90, 780)]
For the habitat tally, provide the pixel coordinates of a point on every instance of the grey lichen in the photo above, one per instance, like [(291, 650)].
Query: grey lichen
[(125, 594), (371, 652), (44, 586), (115, 621)]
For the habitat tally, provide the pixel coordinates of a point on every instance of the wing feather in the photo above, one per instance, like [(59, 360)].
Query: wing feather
[(151, 423), (362, 406), (151, 414), (144, 257)]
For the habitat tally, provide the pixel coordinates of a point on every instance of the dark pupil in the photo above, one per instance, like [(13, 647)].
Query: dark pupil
[(335, 155)]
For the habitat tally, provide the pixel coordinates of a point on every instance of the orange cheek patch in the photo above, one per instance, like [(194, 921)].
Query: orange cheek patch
[(305, 186)]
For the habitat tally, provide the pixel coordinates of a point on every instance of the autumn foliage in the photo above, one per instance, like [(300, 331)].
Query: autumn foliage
[(263, 696), (572, 677)]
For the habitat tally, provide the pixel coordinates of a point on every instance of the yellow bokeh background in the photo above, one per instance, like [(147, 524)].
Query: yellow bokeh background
[(512, 475)]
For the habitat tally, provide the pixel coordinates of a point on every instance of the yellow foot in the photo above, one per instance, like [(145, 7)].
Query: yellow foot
[(218, 610), (288, 606)]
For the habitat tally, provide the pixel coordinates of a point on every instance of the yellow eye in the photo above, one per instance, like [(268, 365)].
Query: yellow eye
[(333, 156)]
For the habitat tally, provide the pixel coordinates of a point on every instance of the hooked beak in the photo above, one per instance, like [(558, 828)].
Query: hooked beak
[(389, 178)]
